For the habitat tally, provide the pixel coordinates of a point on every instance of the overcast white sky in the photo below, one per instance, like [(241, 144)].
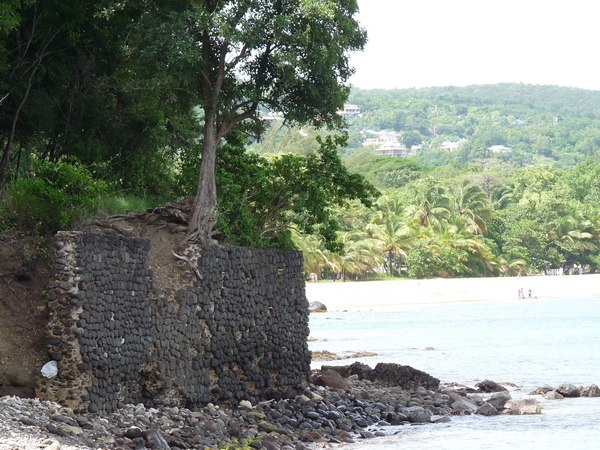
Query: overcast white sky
[(417, 43)]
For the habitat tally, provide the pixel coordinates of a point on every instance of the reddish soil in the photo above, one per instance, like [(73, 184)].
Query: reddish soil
[(24, 270)]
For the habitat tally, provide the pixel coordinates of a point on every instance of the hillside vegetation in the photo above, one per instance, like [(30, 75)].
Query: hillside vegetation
[(469, 211), (541, 124)]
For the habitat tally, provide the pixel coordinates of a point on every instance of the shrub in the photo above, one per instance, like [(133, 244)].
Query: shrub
[(54, 195)]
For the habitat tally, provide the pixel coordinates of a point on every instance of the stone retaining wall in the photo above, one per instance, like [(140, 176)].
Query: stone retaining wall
[(239, 332)]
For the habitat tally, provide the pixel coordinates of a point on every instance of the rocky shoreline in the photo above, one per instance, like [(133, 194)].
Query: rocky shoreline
[(341, 405)]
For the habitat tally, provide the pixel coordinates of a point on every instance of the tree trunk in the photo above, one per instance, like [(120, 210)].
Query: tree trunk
[(5, 162), (204, 210), (18, 165), (4, 157), (11, 136)]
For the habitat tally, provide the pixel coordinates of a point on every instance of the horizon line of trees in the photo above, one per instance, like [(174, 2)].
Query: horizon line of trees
[(467, 223)]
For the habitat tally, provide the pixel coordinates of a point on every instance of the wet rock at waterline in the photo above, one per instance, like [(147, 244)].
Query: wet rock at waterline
[(590, 391), (568, 390), (317, 307), (524, 406), (318, 416), (499, 399), (553, 395), (489, 386)]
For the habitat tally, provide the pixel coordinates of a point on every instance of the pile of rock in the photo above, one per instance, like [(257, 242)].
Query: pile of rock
[(343, 404), (566, 390)]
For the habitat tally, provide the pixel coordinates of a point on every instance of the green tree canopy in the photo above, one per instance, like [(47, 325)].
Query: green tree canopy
[(233, 56)]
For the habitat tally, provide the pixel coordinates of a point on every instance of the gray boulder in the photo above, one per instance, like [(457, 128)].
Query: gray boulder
[(316, 307), (523, 406), (499, 399), (487, 410), (463, 405), (330, 378), (591, 391), (553, 395), (417, 414), (389, 374), (155, 439), (407, 377), (568, 390), (489, 386), (541, 390)]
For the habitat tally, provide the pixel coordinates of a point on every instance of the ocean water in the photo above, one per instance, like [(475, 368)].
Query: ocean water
[(525, 342)]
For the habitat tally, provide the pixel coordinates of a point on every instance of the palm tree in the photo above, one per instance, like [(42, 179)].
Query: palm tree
[(316, 258), (391, 230), (501, 197), (581, 233), (470, 202), (360, 254), (512, 268), (574, 236), (433, 205), (469, 253)]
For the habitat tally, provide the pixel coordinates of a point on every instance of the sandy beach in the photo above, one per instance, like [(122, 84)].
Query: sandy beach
[(400, 294)]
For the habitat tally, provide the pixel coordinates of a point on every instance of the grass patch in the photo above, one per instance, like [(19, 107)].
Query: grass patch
[(125, 203)]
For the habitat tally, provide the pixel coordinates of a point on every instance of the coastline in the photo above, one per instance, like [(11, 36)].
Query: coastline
[(403, 294), (345, 405), (328, 414), (468, 329)]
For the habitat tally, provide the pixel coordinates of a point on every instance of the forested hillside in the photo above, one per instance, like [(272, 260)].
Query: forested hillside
[(468, 211), (541, 124)]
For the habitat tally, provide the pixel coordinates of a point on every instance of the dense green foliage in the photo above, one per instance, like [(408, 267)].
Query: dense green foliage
[(459, 221), (470, 212), (68, 87), (118, 94), (54, 195), (262, 199), (137, 90), (232, 57), (541, 124)]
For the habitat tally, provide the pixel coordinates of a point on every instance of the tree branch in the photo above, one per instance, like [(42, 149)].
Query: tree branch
[(9, 145), (234, 62), (281, 227), (246, 103), (29, 41), (230, 121), (221, 71)]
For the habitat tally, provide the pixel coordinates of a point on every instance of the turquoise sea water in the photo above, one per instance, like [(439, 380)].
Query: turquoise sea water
[(527, 342)]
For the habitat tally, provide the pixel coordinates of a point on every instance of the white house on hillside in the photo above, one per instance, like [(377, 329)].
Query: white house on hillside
[(386, 144), (350, 110), (499, 149), (451, 146)]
